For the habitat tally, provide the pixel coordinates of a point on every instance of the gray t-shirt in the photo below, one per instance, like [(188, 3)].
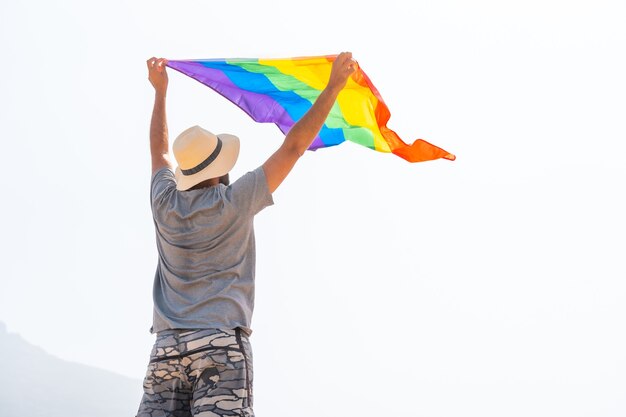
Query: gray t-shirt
[(205, 239)]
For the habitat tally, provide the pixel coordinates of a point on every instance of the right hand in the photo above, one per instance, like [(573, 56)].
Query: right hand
[(157, 74), (343, 67)]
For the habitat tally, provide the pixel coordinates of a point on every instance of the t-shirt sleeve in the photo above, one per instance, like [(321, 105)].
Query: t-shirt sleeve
[(161, 188), (250, 193)]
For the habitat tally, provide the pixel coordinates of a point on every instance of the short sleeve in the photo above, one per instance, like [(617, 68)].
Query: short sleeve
[(161, 188), (250, 193)]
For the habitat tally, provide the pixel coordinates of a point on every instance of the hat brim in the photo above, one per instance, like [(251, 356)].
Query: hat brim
[(222, 165)]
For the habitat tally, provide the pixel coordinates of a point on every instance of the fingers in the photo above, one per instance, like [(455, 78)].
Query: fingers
[(343, 68), (346, 66), (352, 65), (345, 61), (344, 57), (161, 63), (156, 63)]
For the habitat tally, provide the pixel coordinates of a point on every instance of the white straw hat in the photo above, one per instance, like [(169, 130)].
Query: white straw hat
[(201, 155)]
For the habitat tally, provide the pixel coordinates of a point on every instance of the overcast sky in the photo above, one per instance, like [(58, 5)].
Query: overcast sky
[(494, 285)]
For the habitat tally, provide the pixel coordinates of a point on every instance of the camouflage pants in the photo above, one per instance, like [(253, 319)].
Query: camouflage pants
[(201, 373)]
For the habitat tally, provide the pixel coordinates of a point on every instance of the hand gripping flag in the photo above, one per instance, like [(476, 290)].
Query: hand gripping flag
[(281, 91)]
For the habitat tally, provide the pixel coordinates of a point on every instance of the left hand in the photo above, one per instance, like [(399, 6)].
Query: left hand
[(342, 68), (157, 74)]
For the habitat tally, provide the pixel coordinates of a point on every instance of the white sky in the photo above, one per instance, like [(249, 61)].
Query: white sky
[(489, 286)]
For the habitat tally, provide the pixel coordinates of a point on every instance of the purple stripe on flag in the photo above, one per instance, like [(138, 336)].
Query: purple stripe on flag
[(260, 107)]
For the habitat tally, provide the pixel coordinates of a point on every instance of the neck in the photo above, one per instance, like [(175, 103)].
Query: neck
[(206, 183)]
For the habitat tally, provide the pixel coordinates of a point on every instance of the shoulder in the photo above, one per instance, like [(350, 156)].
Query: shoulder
[(162, 185), (250, 192), (163, 173), (255, 178)]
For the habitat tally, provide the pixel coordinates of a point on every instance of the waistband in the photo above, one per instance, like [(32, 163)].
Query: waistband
[(178, 343)]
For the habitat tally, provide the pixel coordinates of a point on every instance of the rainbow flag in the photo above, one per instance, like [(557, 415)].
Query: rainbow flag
[(280, 91)]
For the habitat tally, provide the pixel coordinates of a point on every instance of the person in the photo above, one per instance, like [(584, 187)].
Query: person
[(201, 361)]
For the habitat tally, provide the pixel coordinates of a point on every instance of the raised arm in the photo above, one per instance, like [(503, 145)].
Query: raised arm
[(159, 145), (301, 135)]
